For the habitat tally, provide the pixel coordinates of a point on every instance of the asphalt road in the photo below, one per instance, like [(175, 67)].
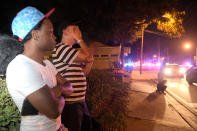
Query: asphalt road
[(151, 111), (185, 92), (178, 86)]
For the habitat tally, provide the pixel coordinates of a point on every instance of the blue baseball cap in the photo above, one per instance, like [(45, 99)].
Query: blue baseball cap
[(26, 20)]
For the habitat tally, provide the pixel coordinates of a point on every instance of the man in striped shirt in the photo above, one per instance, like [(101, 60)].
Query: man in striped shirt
[(67, 61)]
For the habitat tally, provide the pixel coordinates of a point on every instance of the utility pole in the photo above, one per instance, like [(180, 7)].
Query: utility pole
[(141, 54), (167, 55), (137, 55), (158, 40), (196, 58)]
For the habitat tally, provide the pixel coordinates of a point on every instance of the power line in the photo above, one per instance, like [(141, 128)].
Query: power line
[(156, 33)]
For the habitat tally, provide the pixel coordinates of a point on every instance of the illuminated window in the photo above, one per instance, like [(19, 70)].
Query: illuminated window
[(114, 55), (96, 55), (104, 55)]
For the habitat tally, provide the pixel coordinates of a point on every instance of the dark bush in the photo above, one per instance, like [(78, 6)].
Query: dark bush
[(107, 99), (9, 113)]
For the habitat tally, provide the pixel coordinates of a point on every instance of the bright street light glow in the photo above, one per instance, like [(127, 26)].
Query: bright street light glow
[(154, 56), (187, 45)]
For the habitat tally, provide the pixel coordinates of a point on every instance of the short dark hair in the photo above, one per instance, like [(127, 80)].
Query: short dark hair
[(29, 36), (9, 49)]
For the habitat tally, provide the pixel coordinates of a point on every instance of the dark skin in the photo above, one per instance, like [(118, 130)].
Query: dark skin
[(47, 101), (64, 85)]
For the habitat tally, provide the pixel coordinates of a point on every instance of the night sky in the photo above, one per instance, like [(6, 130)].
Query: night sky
[(174, 46), (10, 8)]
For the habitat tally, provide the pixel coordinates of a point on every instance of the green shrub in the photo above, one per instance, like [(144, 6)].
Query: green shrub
[(9, 113), (107, 99)]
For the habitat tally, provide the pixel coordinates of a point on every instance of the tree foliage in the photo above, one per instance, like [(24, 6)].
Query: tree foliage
[(171, 24), (120, 21)]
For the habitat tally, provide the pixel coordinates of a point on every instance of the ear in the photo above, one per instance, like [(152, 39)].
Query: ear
[(35, 34)]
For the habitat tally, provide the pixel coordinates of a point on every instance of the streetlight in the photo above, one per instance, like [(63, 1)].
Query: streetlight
[(187, 46), (141, 52), (162, 58)]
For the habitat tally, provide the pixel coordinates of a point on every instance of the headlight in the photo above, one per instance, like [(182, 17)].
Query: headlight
[(182, 70), (167, 71)]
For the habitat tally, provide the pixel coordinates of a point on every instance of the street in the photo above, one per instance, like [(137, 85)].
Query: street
[(151, 111), (185, 92)]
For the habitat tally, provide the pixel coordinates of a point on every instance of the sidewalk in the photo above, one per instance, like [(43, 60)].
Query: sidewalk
[(152, 75), (146, 75), (149, 111)]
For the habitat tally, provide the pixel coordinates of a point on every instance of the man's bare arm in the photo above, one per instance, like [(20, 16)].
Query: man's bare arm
[(84, 51), (45, 101), (88, 65)]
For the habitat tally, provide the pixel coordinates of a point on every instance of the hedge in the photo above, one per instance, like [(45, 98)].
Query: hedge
[(9, 113), (107, 99)]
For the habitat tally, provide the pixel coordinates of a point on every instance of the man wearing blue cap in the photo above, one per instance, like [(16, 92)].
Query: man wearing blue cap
[(33, 82)]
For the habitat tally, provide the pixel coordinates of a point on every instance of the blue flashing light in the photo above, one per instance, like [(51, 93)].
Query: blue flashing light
[(129, 64)]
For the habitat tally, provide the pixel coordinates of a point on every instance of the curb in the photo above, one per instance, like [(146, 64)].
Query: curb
[(182, 102), (185, 104), (159, 121)]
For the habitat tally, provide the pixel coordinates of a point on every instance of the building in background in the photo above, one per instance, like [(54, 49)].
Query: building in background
[(105, 57), (108, 57)]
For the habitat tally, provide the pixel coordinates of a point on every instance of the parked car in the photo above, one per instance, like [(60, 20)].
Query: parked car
[(171, 70), (191, 75)]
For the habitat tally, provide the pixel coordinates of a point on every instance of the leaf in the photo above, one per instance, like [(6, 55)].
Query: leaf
[(106, 105), (9, 113)]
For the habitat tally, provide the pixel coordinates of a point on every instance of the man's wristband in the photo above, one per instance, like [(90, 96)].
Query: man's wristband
[(79, 41)]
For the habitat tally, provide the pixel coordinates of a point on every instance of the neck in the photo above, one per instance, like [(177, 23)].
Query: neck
[(33, 53)]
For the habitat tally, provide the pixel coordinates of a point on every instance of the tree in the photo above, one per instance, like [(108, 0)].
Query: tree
[(121, 21), (171, 24)]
